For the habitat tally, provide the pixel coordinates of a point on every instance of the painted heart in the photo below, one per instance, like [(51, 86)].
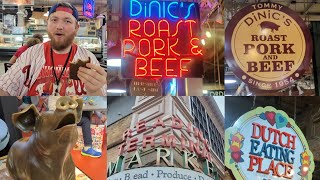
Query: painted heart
[(236, 156), (281, 121), (263, 116), (288, 125), (270, 117)]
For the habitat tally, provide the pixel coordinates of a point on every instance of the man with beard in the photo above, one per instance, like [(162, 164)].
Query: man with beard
[(44, 68)]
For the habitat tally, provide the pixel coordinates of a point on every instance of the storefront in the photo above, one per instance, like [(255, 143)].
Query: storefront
[(165, 138), (271, 48), (18, 23), (272, 137), (62, 145), (165, 47)]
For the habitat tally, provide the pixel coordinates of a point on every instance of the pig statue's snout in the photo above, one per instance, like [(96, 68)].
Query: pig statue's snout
[(65, 103)]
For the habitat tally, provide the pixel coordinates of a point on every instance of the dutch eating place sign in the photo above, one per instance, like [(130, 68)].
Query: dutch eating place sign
[(268, 46), (160, 39), (265, 143)]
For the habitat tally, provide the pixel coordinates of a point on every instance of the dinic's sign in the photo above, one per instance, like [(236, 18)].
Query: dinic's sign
[(161, 39), (268, 46), (267, 144)]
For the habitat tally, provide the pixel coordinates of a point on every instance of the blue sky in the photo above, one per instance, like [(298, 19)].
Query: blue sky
[(220, 102)]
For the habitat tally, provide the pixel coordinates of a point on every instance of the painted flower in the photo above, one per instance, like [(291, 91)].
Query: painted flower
[(236, 143), (305, 164)]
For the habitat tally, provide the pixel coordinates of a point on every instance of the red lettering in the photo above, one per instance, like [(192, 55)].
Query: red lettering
[(126, 134), (153, 28), (121, 149), (26, 69), (176, 123), (148, 139), (131, 30), (141, 126), (125, 45), (168, 69), (183, 68), (163, 26), (153, 70), (132, 145), (140, 71), (158, 122), (168, 140)]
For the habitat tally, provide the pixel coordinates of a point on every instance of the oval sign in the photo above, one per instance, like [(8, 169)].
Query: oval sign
[(268, 46), (265, 143)]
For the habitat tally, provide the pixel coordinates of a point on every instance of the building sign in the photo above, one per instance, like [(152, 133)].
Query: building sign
[(18, 2), (268, 46), (194, 149), (215, 92), (144, 87), (160, 173), (88, 8), (267, 144), (161, 39)]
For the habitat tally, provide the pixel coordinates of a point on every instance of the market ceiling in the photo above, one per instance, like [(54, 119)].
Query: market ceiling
[(52, 2)]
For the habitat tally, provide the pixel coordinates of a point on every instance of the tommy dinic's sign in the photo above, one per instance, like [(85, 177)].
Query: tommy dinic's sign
[(268, 46), (195, 149), (265, 143)]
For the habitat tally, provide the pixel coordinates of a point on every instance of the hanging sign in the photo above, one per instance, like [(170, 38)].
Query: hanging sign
[(265, 143), (161, 39), (268, 46), (88, 8), (145, 87)]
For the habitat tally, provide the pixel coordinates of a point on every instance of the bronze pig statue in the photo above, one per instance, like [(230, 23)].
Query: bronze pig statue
[(46, 154)]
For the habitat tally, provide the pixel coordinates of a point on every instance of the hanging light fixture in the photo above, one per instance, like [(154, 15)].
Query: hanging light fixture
[(116, 86), (203, 42), (114, 55), (219, 18)]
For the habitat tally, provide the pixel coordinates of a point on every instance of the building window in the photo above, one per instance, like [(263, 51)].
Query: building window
[(205, 124)]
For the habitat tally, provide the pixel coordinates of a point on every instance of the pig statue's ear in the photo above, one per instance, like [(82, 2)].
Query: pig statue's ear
[(79, 108), (26, 119)]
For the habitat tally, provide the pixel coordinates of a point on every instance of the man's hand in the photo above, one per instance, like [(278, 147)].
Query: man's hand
[(93, 78)]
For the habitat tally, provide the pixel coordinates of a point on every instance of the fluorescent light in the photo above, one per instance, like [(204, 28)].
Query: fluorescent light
[(205, 91), (203, 42), (116, 91), (114, 62), (18, 38), (208, 34), (229, 81)]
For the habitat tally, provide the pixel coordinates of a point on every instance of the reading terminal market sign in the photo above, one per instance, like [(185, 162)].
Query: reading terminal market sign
[(196, 150), (268, 46), (265, 143), (160, 39)]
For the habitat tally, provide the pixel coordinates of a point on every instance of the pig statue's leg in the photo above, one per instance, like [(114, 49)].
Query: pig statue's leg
[(17, 163), (69, 169)]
